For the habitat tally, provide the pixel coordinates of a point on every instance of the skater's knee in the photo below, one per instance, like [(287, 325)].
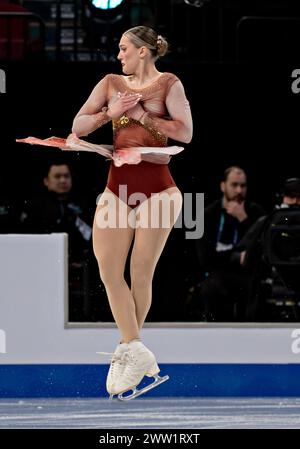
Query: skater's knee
[(141, 274), (110, 274)]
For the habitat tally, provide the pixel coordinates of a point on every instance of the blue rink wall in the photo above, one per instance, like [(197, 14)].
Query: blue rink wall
[(186, 380), (42, 355)]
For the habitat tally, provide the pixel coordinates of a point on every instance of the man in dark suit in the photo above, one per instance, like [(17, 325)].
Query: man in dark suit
[(226, 220)]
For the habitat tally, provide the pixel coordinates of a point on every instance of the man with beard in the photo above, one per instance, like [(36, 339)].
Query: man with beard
[(223, 293)]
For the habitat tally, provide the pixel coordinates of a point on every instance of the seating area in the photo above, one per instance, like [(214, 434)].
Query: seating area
[(22, 33)]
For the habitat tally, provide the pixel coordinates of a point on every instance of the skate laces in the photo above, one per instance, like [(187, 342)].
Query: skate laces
[(121, 358), (130, 360), (135, 369), (105, 353), (110, 354), (127, 356)]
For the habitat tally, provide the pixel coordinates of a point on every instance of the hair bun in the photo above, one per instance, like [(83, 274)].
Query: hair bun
[(161, 45), (145, 36)]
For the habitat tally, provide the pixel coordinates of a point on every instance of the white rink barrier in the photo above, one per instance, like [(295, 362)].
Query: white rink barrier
[(33, 330)]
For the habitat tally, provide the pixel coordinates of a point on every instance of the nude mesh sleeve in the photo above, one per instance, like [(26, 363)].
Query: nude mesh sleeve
[(180, 127), (93, 114)]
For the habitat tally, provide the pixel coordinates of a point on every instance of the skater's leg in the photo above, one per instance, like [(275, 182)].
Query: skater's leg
[(150, 239), (111, 245), (149, 243)]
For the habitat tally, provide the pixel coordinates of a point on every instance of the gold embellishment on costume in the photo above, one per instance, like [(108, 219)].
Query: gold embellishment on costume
[(126, 122), (157, 135), (148, 121), (120, 122)]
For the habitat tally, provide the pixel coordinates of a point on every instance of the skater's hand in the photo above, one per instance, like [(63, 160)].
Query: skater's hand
[(122, 103), (136, 112)]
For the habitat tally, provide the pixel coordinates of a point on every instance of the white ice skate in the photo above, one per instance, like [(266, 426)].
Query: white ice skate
[(140, 362), (117, 366)]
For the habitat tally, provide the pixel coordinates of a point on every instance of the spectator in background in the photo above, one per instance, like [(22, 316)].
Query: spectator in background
[(250, 245), (57, 210), (224, 287), (251, 248)]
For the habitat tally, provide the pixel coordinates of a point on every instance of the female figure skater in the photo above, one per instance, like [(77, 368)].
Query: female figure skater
[(146, 107)]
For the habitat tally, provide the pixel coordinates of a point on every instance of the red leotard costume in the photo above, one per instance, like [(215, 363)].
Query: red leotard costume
[(145, 177), (136, 150)]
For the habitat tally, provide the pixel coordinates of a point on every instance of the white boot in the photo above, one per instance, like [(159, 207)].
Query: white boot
[(116, 368), (140, 362)]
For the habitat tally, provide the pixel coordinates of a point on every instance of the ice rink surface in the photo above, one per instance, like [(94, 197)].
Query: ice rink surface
[(152, 413)]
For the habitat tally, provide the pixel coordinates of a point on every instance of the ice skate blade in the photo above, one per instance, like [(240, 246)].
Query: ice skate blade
[(158, 380)]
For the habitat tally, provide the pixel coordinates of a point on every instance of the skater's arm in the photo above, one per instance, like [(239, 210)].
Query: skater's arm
[(91, 116), (98, 110), (180, 127)]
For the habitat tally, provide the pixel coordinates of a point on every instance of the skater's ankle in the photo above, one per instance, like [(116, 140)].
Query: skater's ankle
[(133, 340), (123, 343)]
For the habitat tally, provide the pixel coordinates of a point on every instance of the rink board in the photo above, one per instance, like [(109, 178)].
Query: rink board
[(186, 380), (41, 356)]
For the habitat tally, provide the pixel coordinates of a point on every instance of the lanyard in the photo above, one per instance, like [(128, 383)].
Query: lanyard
[(221, 227)]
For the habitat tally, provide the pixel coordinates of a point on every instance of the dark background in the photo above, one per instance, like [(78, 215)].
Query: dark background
[(244, 113)]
